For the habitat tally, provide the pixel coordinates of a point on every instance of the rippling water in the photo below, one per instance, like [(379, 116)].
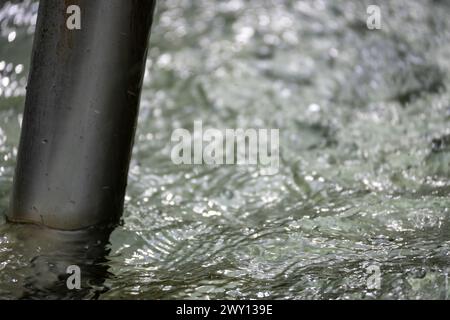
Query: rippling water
[(365, 158)]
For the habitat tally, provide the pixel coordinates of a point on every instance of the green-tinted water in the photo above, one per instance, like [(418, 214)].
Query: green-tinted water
[(364, 171)]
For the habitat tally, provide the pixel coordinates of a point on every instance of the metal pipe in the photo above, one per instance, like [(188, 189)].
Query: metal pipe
[(80, 113)]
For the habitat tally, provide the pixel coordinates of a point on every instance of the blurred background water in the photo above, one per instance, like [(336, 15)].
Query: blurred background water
[(364, 171)]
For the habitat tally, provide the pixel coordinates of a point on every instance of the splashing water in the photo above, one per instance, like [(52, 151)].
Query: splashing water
[(364, 171)]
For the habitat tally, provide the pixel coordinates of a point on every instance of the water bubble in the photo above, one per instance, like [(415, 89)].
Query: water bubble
[(11, 36)]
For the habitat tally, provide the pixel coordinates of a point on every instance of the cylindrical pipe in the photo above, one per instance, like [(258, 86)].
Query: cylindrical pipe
[(80, 113)]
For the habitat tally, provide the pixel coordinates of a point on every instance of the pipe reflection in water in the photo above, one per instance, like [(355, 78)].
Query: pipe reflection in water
[(46, 254)]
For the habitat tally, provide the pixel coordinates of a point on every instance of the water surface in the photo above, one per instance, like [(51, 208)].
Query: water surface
[(364, 169)]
